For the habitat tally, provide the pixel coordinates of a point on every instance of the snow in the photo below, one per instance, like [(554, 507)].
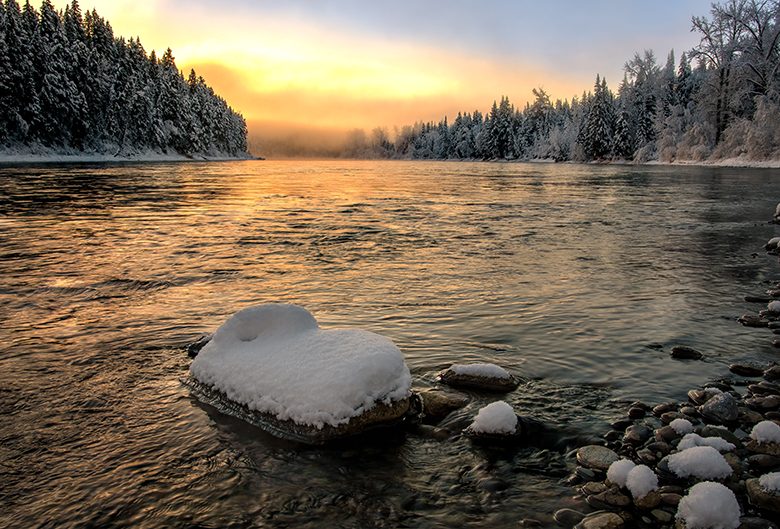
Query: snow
[(692, 439), (774, 306), (480, 370), (495, 418), (709, 505), (640, 481), (275, 359), (618, 471), (773, 242), (777, 211), (703, 462), (712, 391), (770, 482), (766, 432), (681, 426), (11, 156)]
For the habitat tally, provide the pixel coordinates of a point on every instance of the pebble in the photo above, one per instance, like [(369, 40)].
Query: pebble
[(768, 403), (699, 396), (773, 449), (492, 485), (764, 388), (661, 515), (637, 434), (751, 522), (758, 299), (485, 383), (609, 498), (751, 320), (749, 417), (746, 370), (659, 447), (612, 436), (438, 404), (763, 461), (649, 501), (683, 352), (772, 415), (596, 457), (665, 433), (690, 411), (671, 499), (601, 520), (621, 424), (568, 517), (671, 406), (636, 413), (593, 487), (721, 408), (773, 324), (669, 416), (647, 456), (710, 431)]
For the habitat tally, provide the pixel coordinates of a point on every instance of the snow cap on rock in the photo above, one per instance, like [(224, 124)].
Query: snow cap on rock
[(681, 426), (770, 482), (618, 471), (766, 432), (640, 481), (690, 440), (495, 418), (702, 462), (709, 505)]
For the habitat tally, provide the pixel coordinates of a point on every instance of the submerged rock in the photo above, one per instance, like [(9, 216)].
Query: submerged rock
[(683, 352), (751, 320), (601, 520), (487, 377), (746, 370), (438, 404)]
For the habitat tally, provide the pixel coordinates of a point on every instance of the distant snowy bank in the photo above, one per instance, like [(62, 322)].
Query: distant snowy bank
[(51, 156)]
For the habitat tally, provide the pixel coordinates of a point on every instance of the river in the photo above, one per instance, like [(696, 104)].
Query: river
[(577, 278)]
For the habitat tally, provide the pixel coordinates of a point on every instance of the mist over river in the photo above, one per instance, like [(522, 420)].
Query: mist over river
[(577, 278)]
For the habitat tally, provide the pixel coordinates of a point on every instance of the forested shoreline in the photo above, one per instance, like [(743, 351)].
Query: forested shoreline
[(68, 85), (720, 100)]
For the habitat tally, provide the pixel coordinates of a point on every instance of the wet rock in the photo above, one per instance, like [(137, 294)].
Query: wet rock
[(671, 499), (746, 370), (596, 457), (593, 487), (751, 522), (758, 299), (647, 456), (734, 462), (749, 417), (458, 379), (661, 515), (669, 416), (621, 424), (751, 320), (772, 449), (762, 404), (763, 462), (773, 324), (530, 522), (699, 396), (671, 489), (772, 416), (721, 408), (612, 436), (659, 447), (690, 413), (671, 406), (608, 499), (761, 498), (683, 352), (637, 434), (776, 342), (764, 388), (492, 485), (773, 293), (601, 520), (585, 474), (568, 517), (665, 434), (649, 501), (772, 373), (636, 413), (431, 432), (438, 404), (194, 348)]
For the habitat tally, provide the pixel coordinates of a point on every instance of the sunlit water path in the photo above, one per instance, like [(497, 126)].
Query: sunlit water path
[(571, 276)]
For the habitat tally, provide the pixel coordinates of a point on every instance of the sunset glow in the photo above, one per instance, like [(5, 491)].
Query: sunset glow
[(300, 68)]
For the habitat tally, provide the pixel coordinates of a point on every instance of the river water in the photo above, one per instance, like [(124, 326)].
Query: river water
[(577, 278)]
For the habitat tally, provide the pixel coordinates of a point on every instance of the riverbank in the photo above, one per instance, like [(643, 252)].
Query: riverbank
[(10, 157)]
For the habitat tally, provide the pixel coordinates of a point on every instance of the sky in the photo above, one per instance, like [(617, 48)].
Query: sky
[(340, 64)]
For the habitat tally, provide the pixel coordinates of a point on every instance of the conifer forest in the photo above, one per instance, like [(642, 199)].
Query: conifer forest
[(68, 84)]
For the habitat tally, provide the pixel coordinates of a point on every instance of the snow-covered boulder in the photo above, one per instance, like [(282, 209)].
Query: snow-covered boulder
[(640, 481), (488, 377), (701, 462), (617, 472), (709, 505), (774, 306), (273, 366)]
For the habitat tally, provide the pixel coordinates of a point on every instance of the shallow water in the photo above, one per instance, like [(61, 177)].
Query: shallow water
[(564, 274)]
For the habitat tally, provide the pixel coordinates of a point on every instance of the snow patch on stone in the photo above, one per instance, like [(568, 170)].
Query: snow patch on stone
[(766, 432), (618, 471), (681, 426), (275, 359), (640, 481), (690, 440), (702, 462), (770, 482), (480, 370), (495, 418), (709, 505), (774, 306)]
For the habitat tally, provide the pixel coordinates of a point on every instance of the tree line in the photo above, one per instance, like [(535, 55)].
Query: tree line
[(720, 100), (68, 84)]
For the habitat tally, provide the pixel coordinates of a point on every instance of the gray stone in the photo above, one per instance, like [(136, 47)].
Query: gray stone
[(593, 487), (637, 434), (460, 380), (721, 408), (601, 520), (596, 457), (671, 499), (568, 517), (667, 406), (752, 522), (651, 500), (438, 404), (683, 352), (772, 449), (761, 498), (772, 373), (661, 515)]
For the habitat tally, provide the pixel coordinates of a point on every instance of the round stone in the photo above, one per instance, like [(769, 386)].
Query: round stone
[(596, 457)]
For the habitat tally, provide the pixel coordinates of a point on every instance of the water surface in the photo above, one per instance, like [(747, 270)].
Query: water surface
[(571, 276)]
